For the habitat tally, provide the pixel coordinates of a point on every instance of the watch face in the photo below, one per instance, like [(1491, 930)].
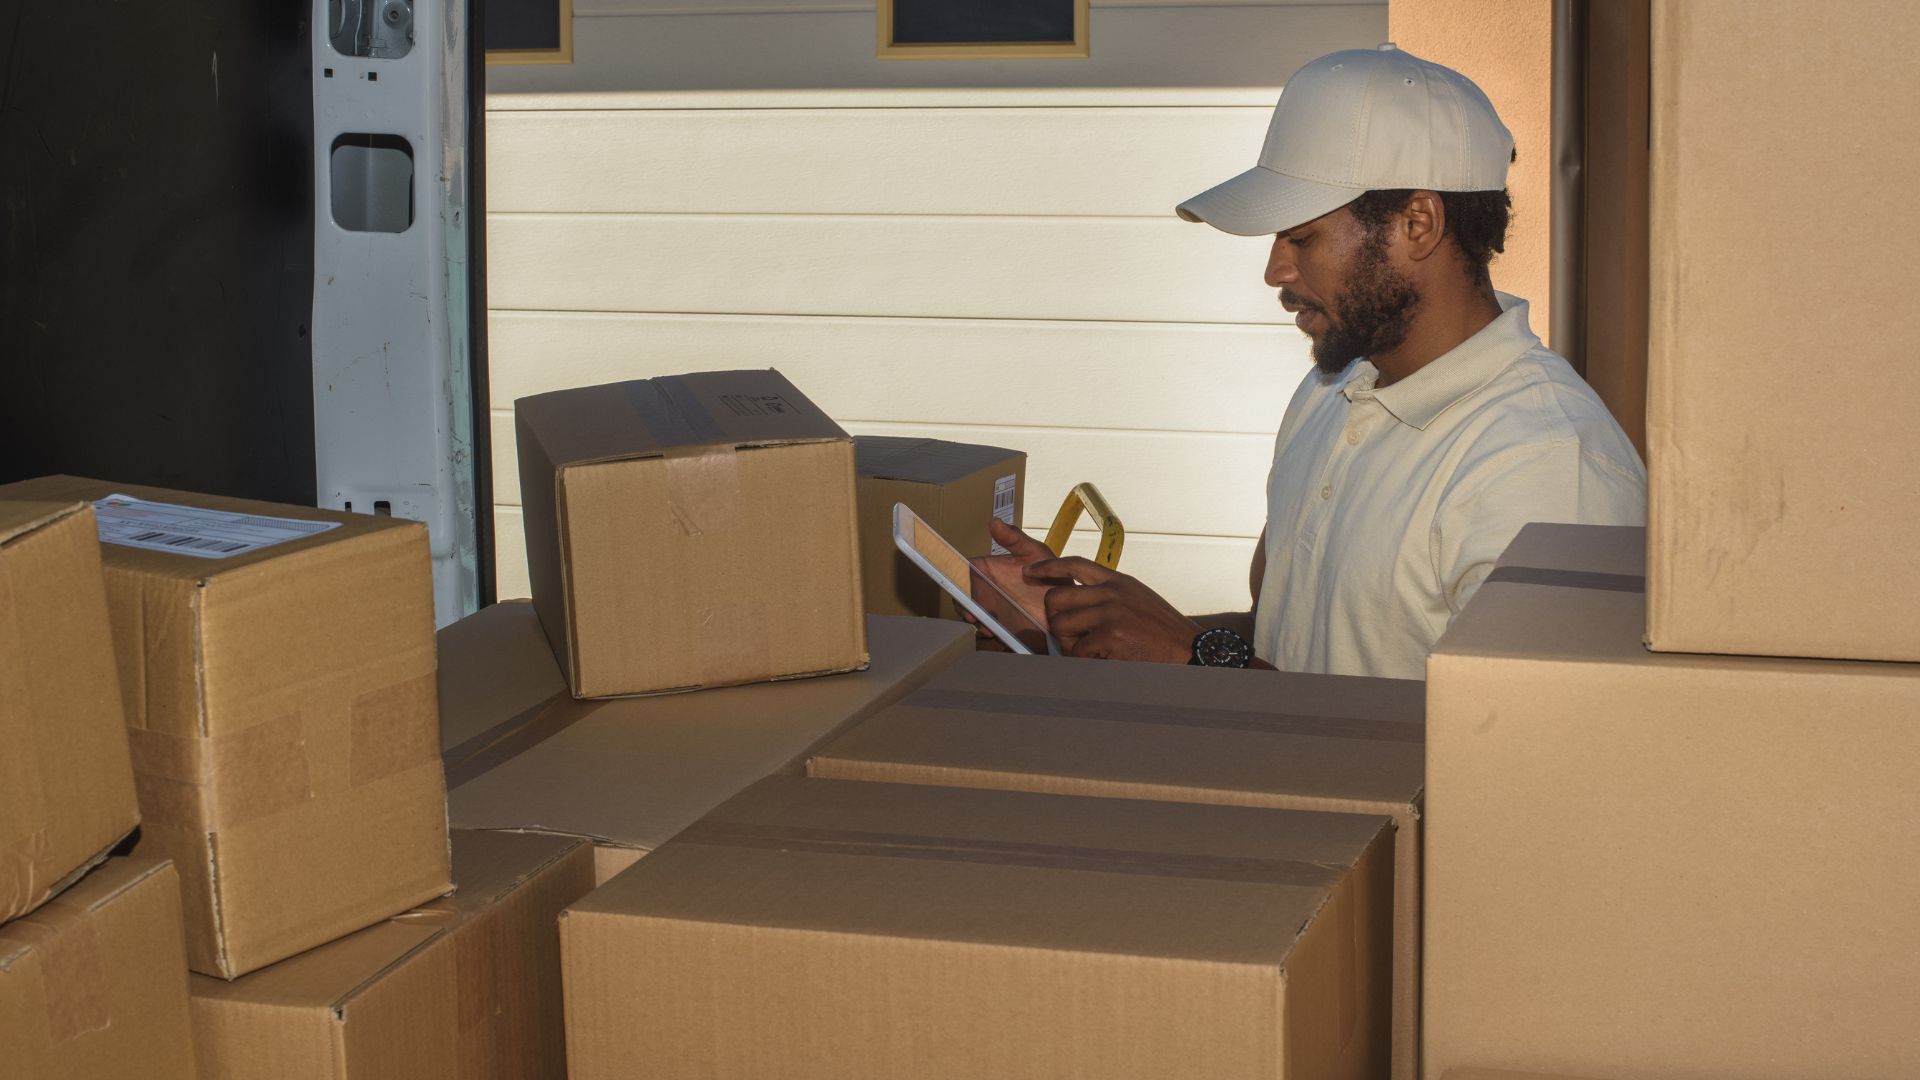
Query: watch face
[(1221, 647)]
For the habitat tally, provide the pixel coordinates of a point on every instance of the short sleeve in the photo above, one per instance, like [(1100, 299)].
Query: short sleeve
[(1552, 482)]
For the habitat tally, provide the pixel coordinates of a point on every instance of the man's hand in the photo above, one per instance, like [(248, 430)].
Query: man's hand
[(1110, 615), (1009, 571)]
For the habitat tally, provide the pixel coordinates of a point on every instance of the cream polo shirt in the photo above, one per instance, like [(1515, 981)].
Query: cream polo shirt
[(1387, 507)]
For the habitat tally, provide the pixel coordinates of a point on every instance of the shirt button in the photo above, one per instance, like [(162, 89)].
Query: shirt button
[(1326, 491), (1353, 438)]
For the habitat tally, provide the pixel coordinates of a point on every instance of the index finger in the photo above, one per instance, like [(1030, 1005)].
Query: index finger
[(1077, 567)]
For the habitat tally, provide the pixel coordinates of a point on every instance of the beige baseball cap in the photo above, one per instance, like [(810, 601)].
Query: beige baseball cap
[(1357, 121)]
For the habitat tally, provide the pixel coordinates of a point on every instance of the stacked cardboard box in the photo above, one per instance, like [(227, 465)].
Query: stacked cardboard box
[(690, 531), (92, 953), (954, 487), (466, 988), (1650, 864), (1154, 731), (277, 667), (1781, 495), (819, 928), (93, 984), (66, 781), (521, 753)]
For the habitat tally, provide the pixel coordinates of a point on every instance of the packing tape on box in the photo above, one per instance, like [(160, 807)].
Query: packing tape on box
[(714, 833), (512, 737), (703, 491), (439, 914), (79, 997), (20, 884), (395, 729), (1266, 723), (223, 781), (1568, 579), (732, 640), (667, 417)]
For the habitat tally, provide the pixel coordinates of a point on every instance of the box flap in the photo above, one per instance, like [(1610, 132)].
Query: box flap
[(923, 461), (647, 417), (634, 771), (108, 882), (1005, 868), (494, 664), (21, 516), (1346, 739)]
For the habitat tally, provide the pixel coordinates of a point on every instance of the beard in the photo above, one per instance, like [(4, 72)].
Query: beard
[(1372, 315)]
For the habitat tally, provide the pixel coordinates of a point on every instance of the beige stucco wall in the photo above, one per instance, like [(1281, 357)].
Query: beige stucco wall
[(1506, 46)]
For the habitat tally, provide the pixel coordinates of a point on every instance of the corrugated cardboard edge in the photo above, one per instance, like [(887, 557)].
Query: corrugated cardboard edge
[(153, 867), (59, 511), (1666, 259), (459, 919)]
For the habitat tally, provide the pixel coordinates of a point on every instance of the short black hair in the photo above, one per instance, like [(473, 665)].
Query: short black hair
[(1477, 220)]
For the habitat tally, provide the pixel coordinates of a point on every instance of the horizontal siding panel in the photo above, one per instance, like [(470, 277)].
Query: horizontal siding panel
[(1160, 482), (1197, 574), (1067, 162), (1148, 376), (1179, 45), (876, 97), (1120, 270)]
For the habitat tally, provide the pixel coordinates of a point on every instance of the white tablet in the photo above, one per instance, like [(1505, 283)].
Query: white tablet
[(981, 598)]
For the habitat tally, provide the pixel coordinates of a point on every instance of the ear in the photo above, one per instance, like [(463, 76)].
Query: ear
[(1423, 225)]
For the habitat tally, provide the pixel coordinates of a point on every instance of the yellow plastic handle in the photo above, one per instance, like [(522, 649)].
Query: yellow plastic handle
[(1113, 535)]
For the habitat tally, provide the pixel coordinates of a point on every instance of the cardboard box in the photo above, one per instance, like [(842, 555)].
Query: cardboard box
[(66, 782), (1502, 1074), (1158, 731), (954, 487), (1646, 865), (1781, 502), (824, 928), (93, 985), (629, 773), (690, 531), (465, 988), (281, 703)]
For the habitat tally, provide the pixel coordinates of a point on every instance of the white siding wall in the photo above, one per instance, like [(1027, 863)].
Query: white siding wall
[(982, 252)]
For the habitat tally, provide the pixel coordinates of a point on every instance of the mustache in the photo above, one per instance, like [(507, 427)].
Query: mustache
[(1288, 296)]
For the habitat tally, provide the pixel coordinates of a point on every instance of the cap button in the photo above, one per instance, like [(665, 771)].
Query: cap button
[(1387, 46)]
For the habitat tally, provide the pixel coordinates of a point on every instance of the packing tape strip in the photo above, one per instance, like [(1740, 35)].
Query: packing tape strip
[(439, 913), (733, 643), (395, 728), (20, 884), (79, 996), (1568, 579), (222, 781), (512, 737), (666, 417), (703, 491), (713, 833), (1318, 727)]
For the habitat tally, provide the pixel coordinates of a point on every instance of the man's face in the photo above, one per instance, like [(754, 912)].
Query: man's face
[(1337, 277)]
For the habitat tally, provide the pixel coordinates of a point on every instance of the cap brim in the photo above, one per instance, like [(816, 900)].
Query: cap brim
[(1261, 202)]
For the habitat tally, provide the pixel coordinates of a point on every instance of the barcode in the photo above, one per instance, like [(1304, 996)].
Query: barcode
[(196, 543), (1003, 499)]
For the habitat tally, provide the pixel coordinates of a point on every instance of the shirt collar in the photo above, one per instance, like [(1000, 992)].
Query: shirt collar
[(1420, 398)]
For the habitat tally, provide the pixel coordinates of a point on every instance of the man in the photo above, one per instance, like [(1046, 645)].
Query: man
[(1435, 424)]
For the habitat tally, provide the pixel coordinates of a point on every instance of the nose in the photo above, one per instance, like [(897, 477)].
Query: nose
[(1280, 268)]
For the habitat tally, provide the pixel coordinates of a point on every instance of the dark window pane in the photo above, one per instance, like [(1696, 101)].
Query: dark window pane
[(513, 25), (950, 21)]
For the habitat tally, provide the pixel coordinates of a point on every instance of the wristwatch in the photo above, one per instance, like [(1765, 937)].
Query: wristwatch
[(1220, 647)]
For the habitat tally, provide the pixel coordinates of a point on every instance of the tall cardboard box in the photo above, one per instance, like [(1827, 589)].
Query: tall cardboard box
[(690, 531), (954, 487), (864, 931), (521, 753), (1501, 1074), (277, 666), (1185, 734), (93, 985), (66, 782), (1781, 437), (1645, 866), (465, 988)]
